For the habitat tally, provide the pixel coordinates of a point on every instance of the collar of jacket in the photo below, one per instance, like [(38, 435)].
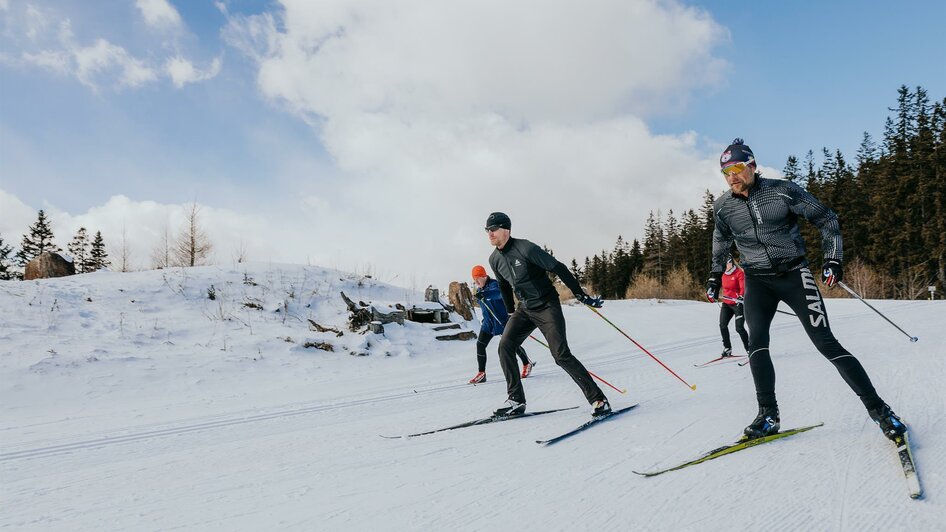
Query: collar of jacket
[(505, 249), (755, 185)]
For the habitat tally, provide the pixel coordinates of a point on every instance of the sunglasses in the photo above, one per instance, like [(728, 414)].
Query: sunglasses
[(492, 228), (734, 168)]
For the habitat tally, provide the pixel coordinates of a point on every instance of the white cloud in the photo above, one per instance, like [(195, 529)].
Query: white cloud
[(159, 14), (43, 38), (55, 61), (412, 59), (104, 58), (182, 71), (15, 218), (438, 113)]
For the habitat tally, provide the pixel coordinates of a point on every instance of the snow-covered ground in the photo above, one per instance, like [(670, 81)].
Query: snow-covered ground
[(134, 402)]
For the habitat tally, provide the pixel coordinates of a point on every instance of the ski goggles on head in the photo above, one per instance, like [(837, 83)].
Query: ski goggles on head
[(734, 168)]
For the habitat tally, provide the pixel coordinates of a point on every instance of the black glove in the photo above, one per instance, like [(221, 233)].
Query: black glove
[(585, 299), (713, 284), (832, 272), (480, 295)]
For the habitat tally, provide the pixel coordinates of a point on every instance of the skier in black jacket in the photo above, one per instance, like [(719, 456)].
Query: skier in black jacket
[(761, 215), (521, 267)]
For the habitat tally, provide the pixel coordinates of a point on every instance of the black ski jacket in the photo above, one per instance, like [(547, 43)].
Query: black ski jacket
[(521, 267), (765, 227)]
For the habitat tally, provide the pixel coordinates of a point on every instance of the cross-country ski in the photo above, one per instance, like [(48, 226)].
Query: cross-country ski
[(740, 445), (586, 425), (717, 361), (905, 456), (481, 421)]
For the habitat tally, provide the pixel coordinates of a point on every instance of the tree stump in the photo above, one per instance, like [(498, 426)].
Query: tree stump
[(316, 327), (432, 294), (461, 299), (359, 318), (46, 265), (396, 316), (465, 335), (376, 327)]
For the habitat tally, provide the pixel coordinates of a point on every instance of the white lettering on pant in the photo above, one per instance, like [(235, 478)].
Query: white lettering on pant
[(816, 314)]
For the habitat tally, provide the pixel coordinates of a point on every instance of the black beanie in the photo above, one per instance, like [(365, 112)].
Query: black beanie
[(737, 152), (498, 219)]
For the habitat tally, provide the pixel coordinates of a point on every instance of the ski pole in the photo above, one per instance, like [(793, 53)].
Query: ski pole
[(853, 293), (596, 311), (776, 310), (624, 391)]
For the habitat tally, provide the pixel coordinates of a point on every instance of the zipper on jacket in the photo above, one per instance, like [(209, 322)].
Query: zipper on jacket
[(755, 227)]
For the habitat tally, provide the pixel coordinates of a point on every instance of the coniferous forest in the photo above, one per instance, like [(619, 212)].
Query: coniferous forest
[(890, 198)]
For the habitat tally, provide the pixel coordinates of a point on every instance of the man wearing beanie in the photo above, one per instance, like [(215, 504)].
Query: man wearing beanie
[(760, 215), (494, 320), (521, 267)]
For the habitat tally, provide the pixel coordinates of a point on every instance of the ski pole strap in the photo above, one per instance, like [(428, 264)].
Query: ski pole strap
[(639, 346), (879, 313)]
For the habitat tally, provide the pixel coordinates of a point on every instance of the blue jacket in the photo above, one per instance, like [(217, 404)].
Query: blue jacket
[(492, 300)]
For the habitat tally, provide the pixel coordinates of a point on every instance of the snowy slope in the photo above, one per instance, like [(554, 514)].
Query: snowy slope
[(132, 401)]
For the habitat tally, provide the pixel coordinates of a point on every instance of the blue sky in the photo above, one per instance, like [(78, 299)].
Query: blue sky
[(322, 131), (808, 74)]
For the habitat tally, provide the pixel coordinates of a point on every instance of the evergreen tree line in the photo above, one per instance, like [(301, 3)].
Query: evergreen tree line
[(88, 253), (191, 247), (891, 202)]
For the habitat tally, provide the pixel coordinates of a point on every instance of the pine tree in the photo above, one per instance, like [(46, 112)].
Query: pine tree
[(674, 242), (811, 176), (576, 271), (792, 171), (39, 240), (708, 218), (637, 259), (6, 273), (866, 152), (98, 256), (621, 269), (936, 226), (79, 248), (654, 247)]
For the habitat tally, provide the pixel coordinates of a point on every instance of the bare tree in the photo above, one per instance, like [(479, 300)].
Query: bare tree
[(239, 254), (161, 253), (124, 252), (193, 245)]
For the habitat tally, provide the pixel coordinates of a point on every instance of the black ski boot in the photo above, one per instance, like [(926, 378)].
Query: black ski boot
[(727, 352), (510, 408), (601, 408), (889, 422), (765, 424)]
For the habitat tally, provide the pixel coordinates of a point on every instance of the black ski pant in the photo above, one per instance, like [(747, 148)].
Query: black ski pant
[(798, 290), (550, 320), (726, 313), (483, 340)]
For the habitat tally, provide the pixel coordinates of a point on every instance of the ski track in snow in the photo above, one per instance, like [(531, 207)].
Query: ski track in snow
[(153, 414)]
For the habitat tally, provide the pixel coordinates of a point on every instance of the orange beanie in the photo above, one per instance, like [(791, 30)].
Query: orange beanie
[(479, 271)]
